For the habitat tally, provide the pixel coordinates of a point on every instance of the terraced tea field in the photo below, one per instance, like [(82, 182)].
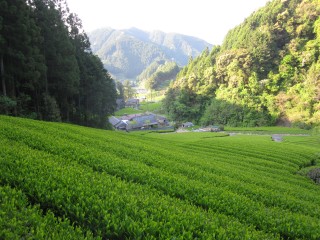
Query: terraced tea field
[(65, 181)]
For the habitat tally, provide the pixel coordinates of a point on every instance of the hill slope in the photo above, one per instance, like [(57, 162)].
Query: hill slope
[(119, 186), (127, 52), (267, 71)]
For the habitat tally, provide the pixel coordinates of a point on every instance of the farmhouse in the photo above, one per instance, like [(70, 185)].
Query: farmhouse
[(138, 121), (118, 123)]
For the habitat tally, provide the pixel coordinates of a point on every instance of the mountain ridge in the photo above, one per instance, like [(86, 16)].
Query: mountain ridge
[(127, 52)]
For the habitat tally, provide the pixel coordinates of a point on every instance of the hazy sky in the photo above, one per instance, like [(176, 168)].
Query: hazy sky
[(206, 19)]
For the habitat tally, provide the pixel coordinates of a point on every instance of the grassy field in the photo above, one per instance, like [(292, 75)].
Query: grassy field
[(65, 181), (144, 107), (268, 130), (150, 106), (127, 111)]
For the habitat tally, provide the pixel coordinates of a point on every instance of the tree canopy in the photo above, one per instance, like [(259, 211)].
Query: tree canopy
[(268, 68), (162, 76), (48, 71)]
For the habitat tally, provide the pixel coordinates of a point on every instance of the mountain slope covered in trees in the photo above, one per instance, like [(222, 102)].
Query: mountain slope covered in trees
[(159, 75), (48, 70), (127, 52), (267, 71)]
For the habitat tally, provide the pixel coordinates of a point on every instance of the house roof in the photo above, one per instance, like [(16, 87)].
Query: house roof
[(122, 124), (130, 117), (113, 120), (136, 120), (143, 120)]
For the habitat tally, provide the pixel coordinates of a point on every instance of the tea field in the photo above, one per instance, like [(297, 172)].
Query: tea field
[(61, 181)]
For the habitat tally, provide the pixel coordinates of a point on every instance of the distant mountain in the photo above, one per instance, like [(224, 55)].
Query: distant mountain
[(127, 52)]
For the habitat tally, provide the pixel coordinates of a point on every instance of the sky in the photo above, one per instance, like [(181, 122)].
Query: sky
[(209, 20)]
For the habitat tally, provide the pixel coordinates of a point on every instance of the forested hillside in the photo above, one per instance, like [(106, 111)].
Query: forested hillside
[(126, 53), (159, 74), (266, 72), (47, 68)]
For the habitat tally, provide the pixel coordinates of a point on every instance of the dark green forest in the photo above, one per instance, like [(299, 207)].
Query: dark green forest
[(48, 70), (159, 74), (266, 72)]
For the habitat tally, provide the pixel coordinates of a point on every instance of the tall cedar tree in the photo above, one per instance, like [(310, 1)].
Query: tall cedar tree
[(20, 58), (47, 69)]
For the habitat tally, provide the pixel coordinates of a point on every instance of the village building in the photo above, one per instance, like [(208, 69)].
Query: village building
[(138, 122)]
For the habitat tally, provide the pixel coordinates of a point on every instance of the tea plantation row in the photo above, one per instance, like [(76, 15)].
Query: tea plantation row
[(112, 185)]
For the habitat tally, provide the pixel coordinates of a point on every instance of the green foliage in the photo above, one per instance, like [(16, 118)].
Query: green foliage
[(135, 54), (266, 65), (162, 76), (51, 110), (155, 107), (151, 69), (156, 186), (120, 90), (224, 113), (128, 90), (127, 111), (47, 67), (7, 105), (151, 106), (20, 220), (200, 75), (183, 105), (269, 130)]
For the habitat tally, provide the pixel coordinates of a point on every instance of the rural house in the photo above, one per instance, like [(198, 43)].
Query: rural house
[(138, 121), (143, 122), (118, 123)]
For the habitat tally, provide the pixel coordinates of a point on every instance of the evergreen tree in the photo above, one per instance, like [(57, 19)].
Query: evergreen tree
[(20, 58), (62, 75), (128, 91), (268, 67), (120, 89), (47, 69)]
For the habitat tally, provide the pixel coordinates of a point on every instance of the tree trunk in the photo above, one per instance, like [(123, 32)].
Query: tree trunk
[(4, 89)]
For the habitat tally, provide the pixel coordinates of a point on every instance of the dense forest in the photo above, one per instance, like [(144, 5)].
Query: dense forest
[(159, 74), (266, 72), (48, 71)]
